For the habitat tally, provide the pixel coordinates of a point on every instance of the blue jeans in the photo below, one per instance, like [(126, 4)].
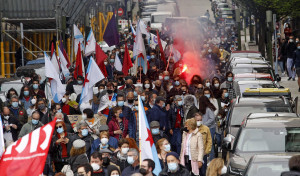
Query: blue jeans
[(204, 166), (289, 63), (280, 63), (212, 152), (176, 140)]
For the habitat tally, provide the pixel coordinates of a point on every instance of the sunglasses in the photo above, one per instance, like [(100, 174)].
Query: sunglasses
[(59, 127)]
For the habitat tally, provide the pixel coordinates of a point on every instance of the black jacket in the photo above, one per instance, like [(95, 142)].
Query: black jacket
[(290, 48), (12, 120), (172, 115), (290, 173), (56, 150), (182, 171)]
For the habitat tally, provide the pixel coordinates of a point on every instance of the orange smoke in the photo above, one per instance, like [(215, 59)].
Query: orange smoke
[(184, 68)]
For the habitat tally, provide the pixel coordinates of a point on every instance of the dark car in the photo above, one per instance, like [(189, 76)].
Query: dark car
[(243, 106), (261, 136), (268, 164)]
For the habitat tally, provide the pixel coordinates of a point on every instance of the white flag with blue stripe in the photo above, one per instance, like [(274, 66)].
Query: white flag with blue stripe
[(78, 37)]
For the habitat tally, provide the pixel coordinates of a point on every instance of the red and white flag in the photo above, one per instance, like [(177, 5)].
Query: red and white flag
[(100, 58), (63, 63), (90, 47), (127, 64), (27, 156)]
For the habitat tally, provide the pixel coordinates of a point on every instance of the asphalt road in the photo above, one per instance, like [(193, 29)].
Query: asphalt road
[(194, 8)]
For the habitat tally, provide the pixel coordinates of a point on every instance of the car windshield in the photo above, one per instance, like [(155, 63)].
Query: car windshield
[(223, 6), (159, 18), (273, 168), (236, 70), (243, 87), (227, 12), (253, 79), (269, 140), (239, 113)]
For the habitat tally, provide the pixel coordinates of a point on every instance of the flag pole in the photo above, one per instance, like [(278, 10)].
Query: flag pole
[(140, 142), (169, 59), (140, 70)]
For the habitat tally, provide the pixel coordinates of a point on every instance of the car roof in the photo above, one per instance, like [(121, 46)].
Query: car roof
[(251, 75), (246, 52), (271, 114), (273, 157), (251, 65), (270, 122), (260, 101), (255, 82)]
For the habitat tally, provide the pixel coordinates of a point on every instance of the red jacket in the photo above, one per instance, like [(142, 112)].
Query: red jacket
[(113, 125)]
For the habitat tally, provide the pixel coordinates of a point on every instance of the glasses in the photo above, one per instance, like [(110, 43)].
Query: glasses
[(59, 127)]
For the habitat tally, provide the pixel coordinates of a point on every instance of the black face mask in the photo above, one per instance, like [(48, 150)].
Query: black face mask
[(185, 129), (109, 91), (130, 101), (106, 161), (143, 171), (183, 92), (158, 87), (116, 91), (128, 85)]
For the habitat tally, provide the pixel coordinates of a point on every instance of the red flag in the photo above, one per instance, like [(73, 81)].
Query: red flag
[(100, 58), (27, 156), (78, 66), (127, 64), (162, 54), (52, 49)]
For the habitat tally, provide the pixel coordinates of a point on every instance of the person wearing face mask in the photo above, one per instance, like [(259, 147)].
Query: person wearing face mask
[(108, 100), (151, 100), (11, 92), (224, 101), (36, 91), (80, 80), (133, 160), (108, 159), (290, 49), (176, 90), (31, 125), (231, 85), (61, 144), (189, 107), (153, 73), (41, 107), (64, 118), (93, 122), (11, 126), (130, 99), (118, 126), (125, 109), (147, 85), (112, 142), (216, 168), (110, 68), (176, 116), (31, 108), (195, 81), (163, 147), (147, 167), (174, 168), (207, 140), (78, 155), (96, 163), (83, 134), (157, 134), (128, 87), (212, 57), (208, 93), (121, 154), (192, 152), (158, 113), (215, 88), (26, 97), (17, 110)]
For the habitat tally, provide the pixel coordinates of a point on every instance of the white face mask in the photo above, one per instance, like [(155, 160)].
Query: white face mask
[(104, 141), (33, 101), (199, 123), (95, 166), (6, 117), (95, 90), (147, 86), (100, 90), (224, 170), (84, 116), (124, 150), (63, 100)]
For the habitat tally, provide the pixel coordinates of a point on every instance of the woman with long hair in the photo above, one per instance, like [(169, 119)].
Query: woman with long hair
[(78, 154), (118, 126), (26, 97), (208, 118), (216, 167), (163, 147)]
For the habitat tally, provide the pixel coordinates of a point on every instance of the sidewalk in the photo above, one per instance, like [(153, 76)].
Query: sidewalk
[(292, 85)]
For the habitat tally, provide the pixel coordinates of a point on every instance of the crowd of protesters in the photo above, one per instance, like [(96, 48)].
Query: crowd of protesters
[(185, 116)]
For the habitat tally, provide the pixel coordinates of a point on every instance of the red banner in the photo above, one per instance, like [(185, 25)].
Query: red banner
[(27, 156)]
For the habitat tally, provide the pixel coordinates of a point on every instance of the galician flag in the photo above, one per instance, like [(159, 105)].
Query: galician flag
[(57, 88), (139, 50), (118, 64), (93, 75), (27, 156), (78, 38), (63, 63), (90, 47), (147, 145)]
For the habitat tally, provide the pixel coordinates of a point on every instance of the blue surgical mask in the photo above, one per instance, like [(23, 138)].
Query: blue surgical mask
[(167, 148), (59, 110), (172, 166), (180, 103), (121, 115), (230, 79), (177, 83), (136, 108), (15, 104), (152, 56), (155, 131), (26, 93), (143, 98), (34, 122), (226, 94), (59, 130), (120, 103), (130, 160), (163, 105), (135, 94), (35, 86), (112, 60), (207, 95), (84, 132), (167, 78), (79, 82)]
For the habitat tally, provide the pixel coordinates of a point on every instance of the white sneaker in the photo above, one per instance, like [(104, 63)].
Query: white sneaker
[(283, 74)]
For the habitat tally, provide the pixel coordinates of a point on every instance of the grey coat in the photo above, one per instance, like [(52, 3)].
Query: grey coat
[(29, 127)]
